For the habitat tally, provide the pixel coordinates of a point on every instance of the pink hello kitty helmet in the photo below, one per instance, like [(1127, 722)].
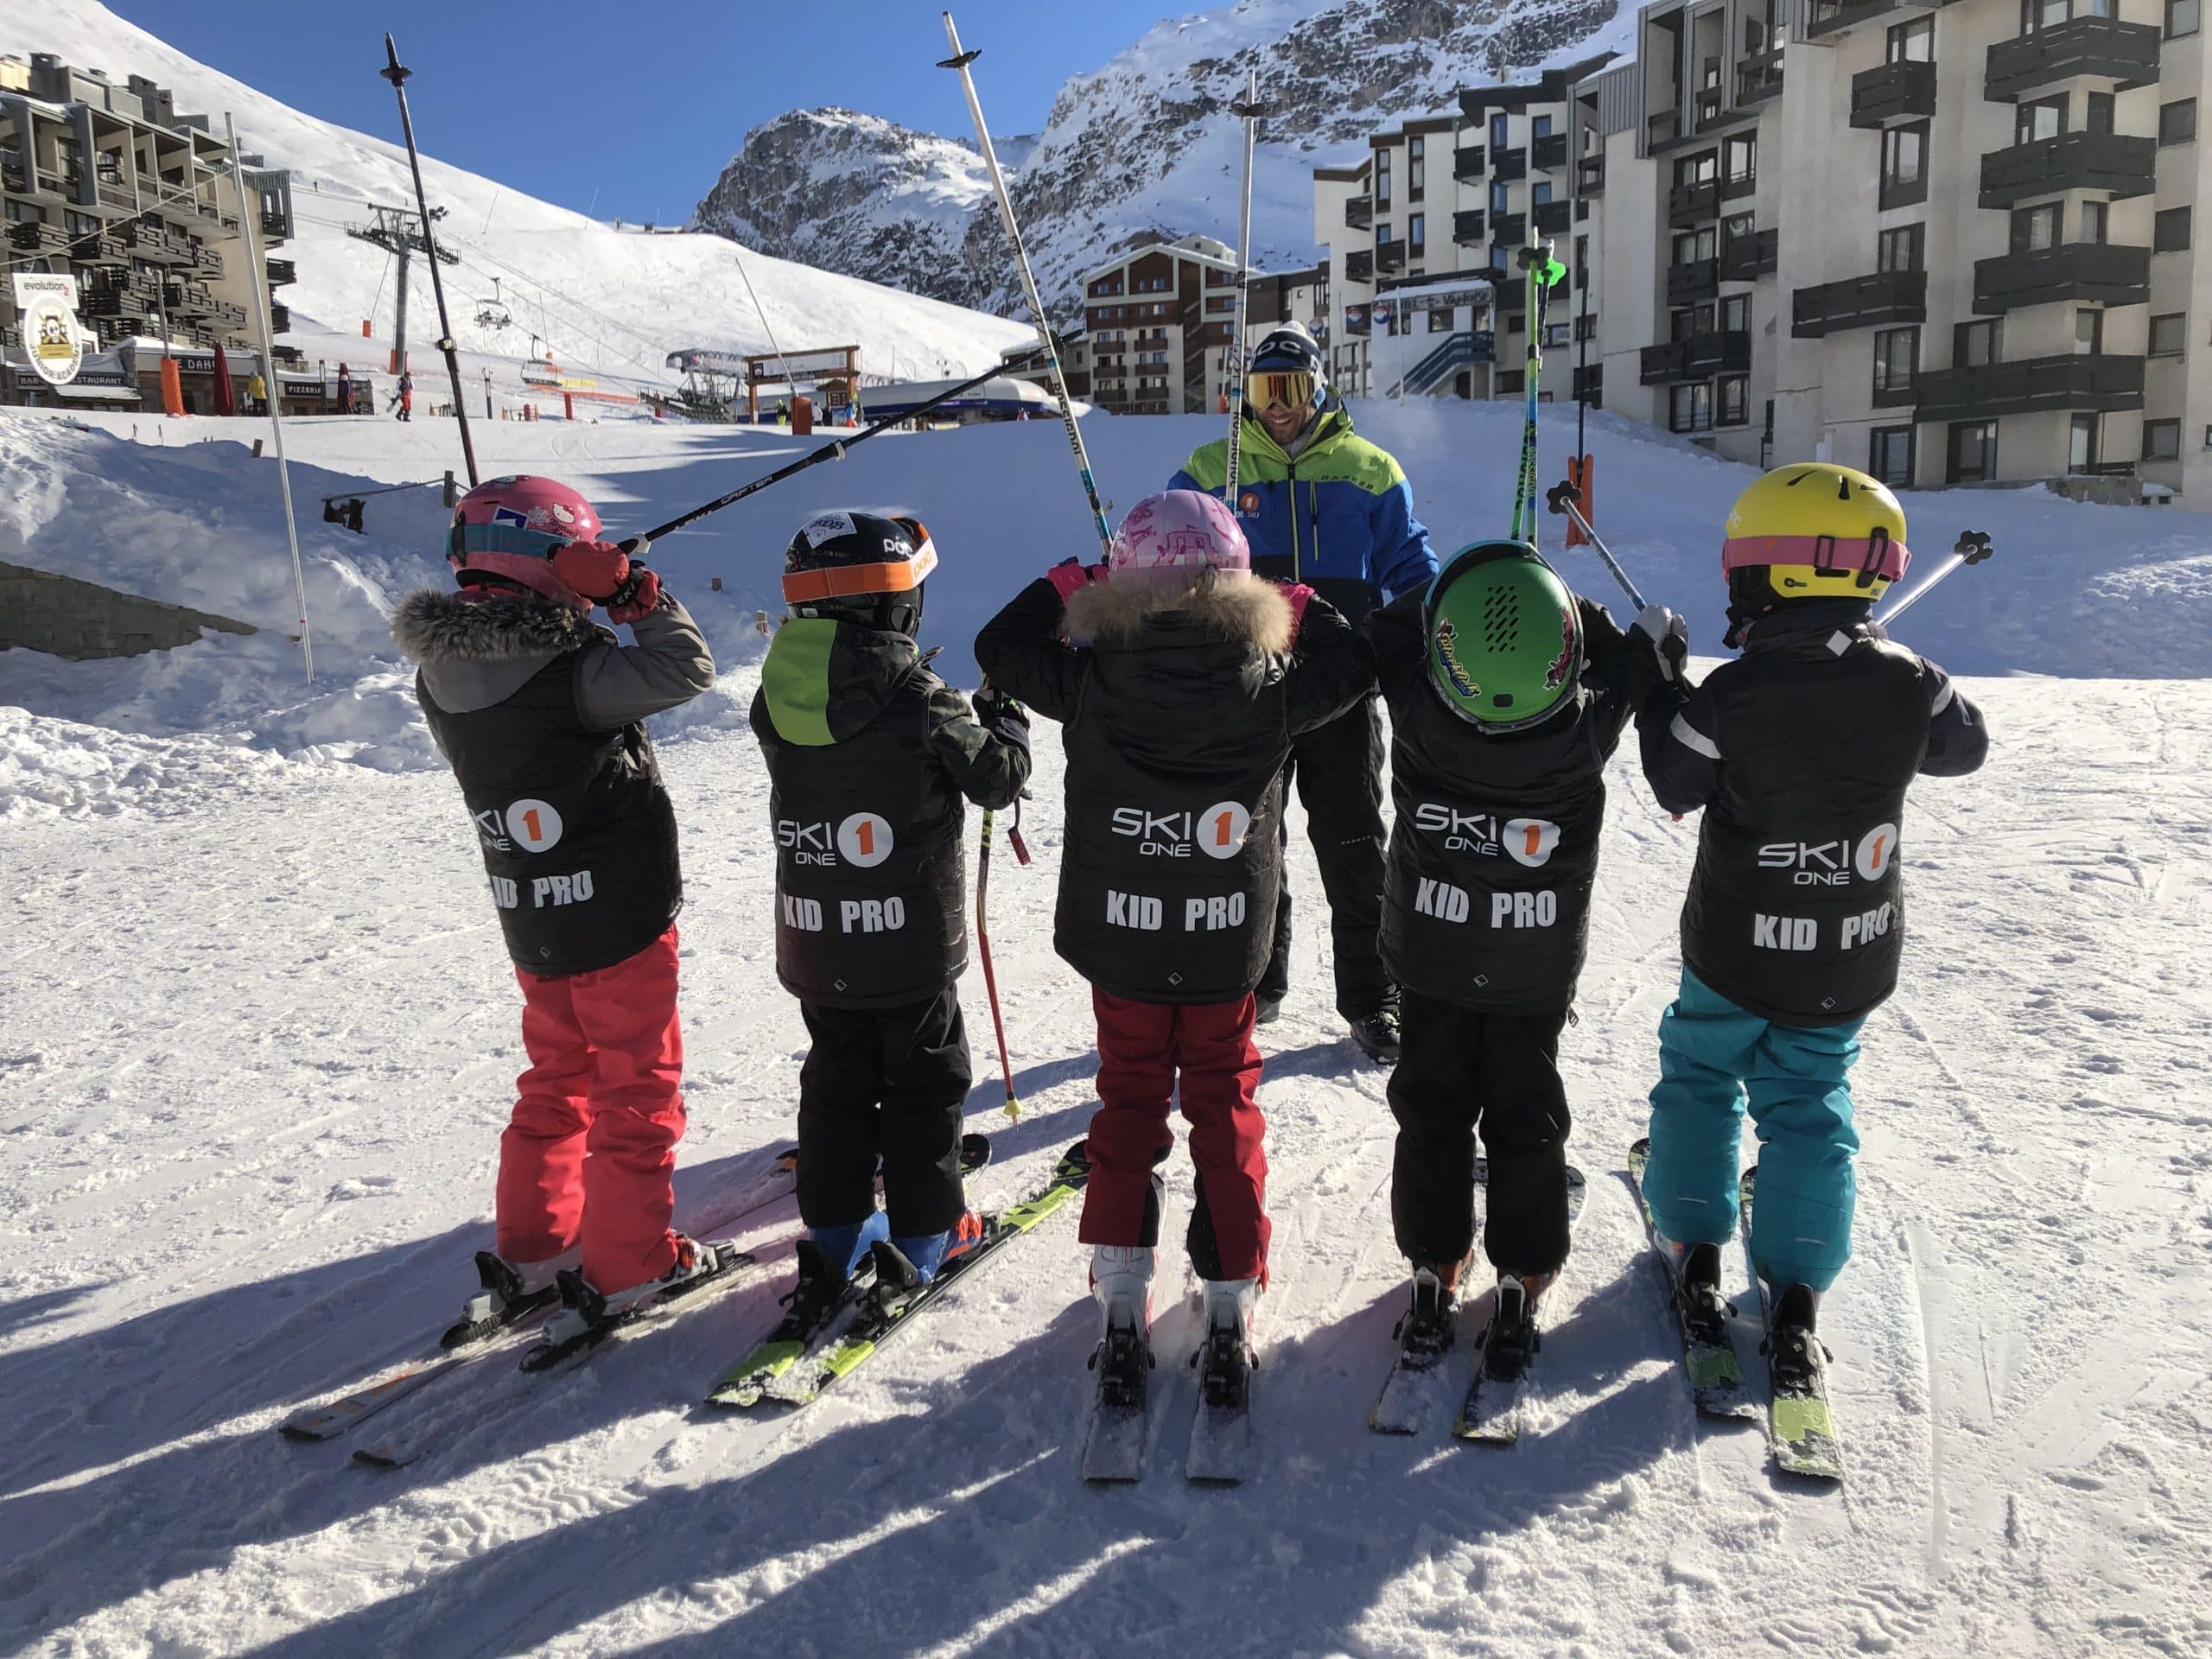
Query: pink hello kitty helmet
[(1172, 536)]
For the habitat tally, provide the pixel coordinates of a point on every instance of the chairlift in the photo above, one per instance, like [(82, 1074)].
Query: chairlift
[(493, 314)]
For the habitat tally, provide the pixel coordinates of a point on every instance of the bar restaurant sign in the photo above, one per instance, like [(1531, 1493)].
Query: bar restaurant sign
[(52, 334)]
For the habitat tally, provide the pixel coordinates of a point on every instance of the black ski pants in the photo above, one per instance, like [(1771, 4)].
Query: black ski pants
[(1337, 769), (889, 1084), (1459, 1069)]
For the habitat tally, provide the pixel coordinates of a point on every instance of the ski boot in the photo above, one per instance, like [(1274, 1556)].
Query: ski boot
[(1121, 1278), (589, 1316), (1226, 1359), (1512, 1340), (1425, 1331), (1698, 1301), (1797, 1359), (1376, 1035), (1265, 1010), (903, 1265), (511, 1291)]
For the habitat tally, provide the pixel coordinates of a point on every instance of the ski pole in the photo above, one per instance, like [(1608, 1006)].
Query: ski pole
[(1542, 272), (959, 60), (834, 450), (1251, 110), (983, 937), (1974, 547), (397, 75), (1565, 498)]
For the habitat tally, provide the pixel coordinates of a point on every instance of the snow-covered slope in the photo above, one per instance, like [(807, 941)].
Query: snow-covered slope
[(613, 303)]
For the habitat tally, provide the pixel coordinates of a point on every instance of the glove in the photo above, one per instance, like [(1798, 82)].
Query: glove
[(640, 598), (1002, 717), (1297, 593), (1664, 639), (1071, 574), (596, 570)]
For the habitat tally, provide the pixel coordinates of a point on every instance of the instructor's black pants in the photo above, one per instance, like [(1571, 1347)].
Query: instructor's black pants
[(889, 1084), (1337, 769), (1460, 1068)]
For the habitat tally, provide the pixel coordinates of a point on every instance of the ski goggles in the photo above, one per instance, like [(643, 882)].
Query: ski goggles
[(857, 580), (1292, 388), (465, 539), (1870, 558)]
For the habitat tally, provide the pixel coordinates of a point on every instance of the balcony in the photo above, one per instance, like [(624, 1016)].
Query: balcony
[(34, 236), (1468, 162), (1747, 258), (1590, 176), (1389, 257), (2105, 47), (1468, 229), (1692, 281), (2117, 164), (280, 319), (276, 225), (1552, 217), (1663, 131), (113, 302), (2087, 381), (1359, 213), (1697, 358), (1548, 153), (1687, 204), (1893, 91), (1888, 296), (1738, 186), (1509, 165), (1510, 230), (1360, 266), (1835, 16), (281, 272), (1758, 78), (2078, 270)]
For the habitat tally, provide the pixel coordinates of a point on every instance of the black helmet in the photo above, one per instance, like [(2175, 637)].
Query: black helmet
[(859, 567)]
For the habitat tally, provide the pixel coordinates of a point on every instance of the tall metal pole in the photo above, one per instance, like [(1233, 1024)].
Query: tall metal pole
[(397, 75), (959, 60), (1251, 110), (399, 318), (247, 215)]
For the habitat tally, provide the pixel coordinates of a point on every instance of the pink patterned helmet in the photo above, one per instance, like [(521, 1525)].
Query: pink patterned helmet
[(1174, 535), (508, 528)]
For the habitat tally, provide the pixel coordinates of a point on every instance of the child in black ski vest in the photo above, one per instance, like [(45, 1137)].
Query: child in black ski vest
[(1800, 752), (541, 714), (870, 757), (1179, 702), (1507, 696)]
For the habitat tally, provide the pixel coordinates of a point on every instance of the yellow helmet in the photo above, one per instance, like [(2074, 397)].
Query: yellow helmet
[(1815, 531)]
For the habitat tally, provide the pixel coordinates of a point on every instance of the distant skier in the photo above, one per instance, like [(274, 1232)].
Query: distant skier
[(541, 714), (1180, 704), (403, 399), (1800, 752), (1507, 696), (870, 757), (345, 390), (1323, 505)]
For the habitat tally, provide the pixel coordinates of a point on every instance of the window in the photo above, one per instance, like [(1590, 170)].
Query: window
[(1382, 178), (1897, 359), (1972, 452), (1417, 167), (1693, 246), (1690, 409), (2168, 334), (21, 213), (2089, 332), (2170, 231), (1701, 169), (2093, 222), (1689, 320), (1498, 131), (2183, 17), (2177, 122), (2082, 443), (2042, 117), (1540, 126), (1902, 248), (1515, 323), (1904, 165), (1735, 401), (1440, 321), (2162, 440), (1417, 232), (1912, 42), (1539, 192), (2100, 112), (1736, 314), (80, 226), (1742, 160), (1973, 345), (1500, 199), (2035, 229), (1382, 234), (1738, 224), (1509, 379), (1889, 455)]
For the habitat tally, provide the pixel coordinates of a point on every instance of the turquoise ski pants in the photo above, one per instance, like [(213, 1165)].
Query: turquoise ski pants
[(1713, 1055)]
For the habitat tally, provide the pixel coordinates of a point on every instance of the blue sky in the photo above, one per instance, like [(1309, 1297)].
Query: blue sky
[(561, 100)]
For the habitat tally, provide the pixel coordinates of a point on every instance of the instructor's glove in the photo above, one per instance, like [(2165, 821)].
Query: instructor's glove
[(596, 570), (1002, 717), (1662, 640)]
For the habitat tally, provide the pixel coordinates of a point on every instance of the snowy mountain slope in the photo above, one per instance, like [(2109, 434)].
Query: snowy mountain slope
[(613, 302)]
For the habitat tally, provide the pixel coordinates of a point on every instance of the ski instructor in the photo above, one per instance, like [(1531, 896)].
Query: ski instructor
[(1322, 505)]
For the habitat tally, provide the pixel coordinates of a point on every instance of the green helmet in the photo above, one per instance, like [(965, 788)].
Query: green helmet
[(1505, 637)]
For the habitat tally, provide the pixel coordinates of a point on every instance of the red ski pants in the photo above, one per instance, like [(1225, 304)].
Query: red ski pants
[(1148, 1054), (589, 1154)]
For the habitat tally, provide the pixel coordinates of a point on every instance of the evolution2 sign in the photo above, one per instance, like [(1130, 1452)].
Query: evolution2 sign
[(55, 340)]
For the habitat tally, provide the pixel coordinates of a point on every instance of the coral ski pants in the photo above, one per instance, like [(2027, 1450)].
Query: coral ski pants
[(1148, 1054), (588, 1159)]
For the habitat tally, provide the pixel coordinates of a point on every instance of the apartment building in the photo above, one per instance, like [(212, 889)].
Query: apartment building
[(1160, 320), (140, 203)]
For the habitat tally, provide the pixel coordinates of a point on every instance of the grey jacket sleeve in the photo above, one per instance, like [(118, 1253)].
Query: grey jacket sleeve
[(1958, 737), (669, 664)]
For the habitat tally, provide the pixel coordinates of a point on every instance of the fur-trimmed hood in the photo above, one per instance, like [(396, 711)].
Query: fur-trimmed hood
[(1250, 610), (434, 626)]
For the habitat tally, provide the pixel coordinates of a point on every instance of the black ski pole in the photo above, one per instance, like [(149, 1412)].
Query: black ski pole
[(397, 75), (834, 450), (1974, 546)]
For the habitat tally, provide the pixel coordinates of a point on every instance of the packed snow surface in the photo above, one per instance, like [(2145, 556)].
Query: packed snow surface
[(258, 1034)]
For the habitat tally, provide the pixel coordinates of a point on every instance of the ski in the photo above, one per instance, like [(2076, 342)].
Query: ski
[(1716, 1378), (885, 1311), (1800, 1427), (1418, 1386), (1496, 1402), (1114, 1435), (1220, 1451), (330, 1419), (589, 1324)]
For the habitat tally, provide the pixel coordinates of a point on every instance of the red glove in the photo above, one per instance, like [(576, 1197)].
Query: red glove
[(641, 596), (1297, 593), (594, 569), (1071, 574)]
